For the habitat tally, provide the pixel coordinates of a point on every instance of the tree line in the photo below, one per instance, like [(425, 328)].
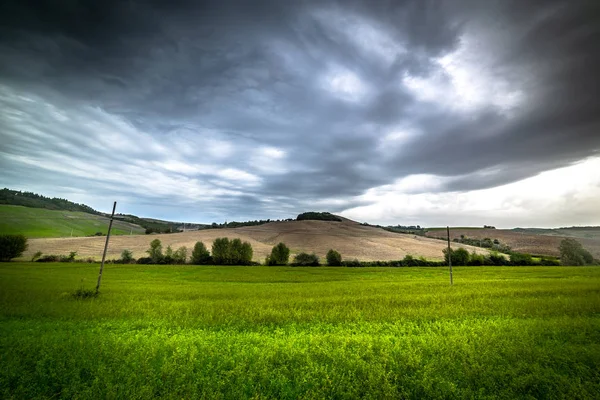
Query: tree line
[(33, 200), (227, 251)]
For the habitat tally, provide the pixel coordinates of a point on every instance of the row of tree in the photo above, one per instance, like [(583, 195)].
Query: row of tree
[(224, 252)]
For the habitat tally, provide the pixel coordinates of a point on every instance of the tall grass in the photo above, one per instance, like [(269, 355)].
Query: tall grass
[(280, 332)]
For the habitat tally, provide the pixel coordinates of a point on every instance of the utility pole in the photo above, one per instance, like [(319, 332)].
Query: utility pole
[(449, 255), (106, 247)]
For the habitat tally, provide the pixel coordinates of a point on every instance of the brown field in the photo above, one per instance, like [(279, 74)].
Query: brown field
[(538, 244), (351, 239)]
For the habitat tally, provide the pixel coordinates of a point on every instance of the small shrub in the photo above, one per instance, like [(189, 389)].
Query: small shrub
[(98, 234), (306, 260), (144, 260), (12, 246), (71, 257), (334, 258), (476, 259), (37, 255), (521, 259), (352, 263), (82, 294), (127, 256), (49, 258)]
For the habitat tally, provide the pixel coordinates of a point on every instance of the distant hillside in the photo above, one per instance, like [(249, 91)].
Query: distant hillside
[(29, 199), (350, 238), (43, 223), (582, 232), (532, 241)]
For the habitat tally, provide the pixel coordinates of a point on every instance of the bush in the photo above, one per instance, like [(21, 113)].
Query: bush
[(155, 251), (280, 255), (476, 259), (71, 257), (352, 263), (37, 255), (334, 258), (144, 260), (306, 260), (127, 256), (12, 246), (521, 259), (200, 255), (409, 261), (49, 258), (496, 259)]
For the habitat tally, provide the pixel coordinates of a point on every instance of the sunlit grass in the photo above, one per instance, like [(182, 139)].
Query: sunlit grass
[(282, 332)]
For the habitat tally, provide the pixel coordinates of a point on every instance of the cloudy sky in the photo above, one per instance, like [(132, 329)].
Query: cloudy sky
[(395, 112)]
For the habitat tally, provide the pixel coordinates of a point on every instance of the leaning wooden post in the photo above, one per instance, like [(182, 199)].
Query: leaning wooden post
[(449, 255), (105, 247)]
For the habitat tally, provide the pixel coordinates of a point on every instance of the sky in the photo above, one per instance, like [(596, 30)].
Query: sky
[(406, 112)]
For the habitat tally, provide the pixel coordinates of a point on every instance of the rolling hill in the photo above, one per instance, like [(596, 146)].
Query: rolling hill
[(531, 241), (350, 238), (44, 223)]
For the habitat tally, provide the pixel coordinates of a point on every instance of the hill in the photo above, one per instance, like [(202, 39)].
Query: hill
[(350, 238), (532, 241), (44, 223), (33, 200)]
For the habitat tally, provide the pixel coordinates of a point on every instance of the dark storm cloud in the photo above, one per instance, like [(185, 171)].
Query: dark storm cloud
[(202, 92)]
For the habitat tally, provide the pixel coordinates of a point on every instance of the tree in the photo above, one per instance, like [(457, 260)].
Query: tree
[(573, 253), (246, 254), (155, 251), (180, 255), (306, 260), (334, 258), (126, 256), (459, 256), (200, 255), (235, 252), (220, 251), (231, 252), (12, 246), (280, 255)]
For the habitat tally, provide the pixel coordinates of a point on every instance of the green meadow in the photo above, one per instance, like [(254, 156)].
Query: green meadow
[(42, 223), (287, 333)]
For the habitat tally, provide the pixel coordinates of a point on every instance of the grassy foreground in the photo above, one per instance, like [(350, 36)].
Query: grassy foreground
[(42, 223), (266, 332)]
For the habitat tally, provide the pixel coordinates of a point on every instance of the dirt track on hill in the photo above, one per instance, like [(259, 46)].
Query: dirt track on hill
[(351, 239)]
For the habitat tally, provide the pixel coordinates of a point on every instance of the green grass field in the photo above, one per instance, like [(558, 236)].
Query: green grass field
[(287, 333), (41, 223)]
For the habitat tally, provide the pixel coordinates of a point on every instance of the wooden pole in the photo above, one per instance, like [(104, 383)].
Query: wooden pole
[(449, 255), (106, 247)]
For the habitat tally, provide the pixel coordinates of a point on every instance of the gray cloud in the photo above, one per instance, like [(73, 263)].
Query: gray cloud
[(193, 95)]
